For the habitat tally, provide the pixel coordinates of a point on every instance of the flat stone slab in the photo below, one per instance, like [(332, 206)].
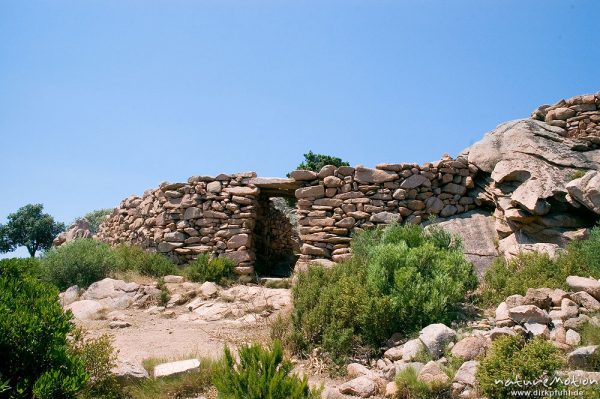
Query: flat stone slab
[(181, 366)]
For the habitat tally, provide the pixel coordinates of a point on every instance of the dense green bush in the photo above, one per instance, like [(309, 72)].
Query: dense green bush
[(537, 270), (512, 357), (219, 270), (260, 374), (131, 257), (80, 262), (36, 360), (400, 279)]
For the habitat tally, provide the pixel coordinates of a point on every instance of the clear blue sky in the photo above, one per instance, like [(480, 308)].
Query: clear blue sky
[(103, 99)]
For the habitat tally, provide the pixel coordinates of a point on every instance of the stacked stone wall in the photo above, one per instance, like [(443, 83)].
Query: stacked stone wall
[(579, 116), (337, 202), (214, 215)]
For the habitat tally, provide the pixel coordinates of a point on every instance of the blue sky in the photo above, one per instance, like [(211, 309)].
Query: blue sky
[(103, 99)]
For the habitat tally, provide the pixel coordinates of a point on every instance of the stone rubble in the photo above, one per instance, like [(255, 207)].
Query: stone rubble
[(552, 314)]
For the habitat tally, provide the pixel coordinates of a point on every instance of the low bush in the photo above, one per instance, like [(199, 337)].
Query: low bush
[(99, 358), (399, 279), (260, 373), (165, 295), (409, 387), (537, 270), (512, 358), (131, 257), (80, 262), (218, 270), (36, 360)]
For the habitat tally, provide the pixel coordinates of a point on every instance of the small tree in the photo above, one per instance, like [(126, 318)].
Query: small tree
[(29, 227), (315, 162)]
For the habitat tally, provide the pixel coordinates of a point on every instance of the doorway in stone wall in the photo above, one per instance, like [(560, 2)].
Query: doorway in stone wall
[(276, 240)]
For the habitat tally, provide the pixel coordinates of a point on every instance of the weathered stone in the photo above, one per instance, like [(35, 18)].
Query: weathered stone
[(85, 309), (172, 279), (332, 181), (172, 368), (242, 190), (394, 353), (538, 297), (311, 192), (385, 217), (360, 386), (435, 337), (582, 357), (431, 373), (411, 349), (214, 187), (589, 285), (572, 338), (175, 236), (586, 190), (366, 175), (238, 240), (192, 213), (586, 300), (466, 373), (357, 370), (470, 347), (528, 314), (303, 175), (415, 181)]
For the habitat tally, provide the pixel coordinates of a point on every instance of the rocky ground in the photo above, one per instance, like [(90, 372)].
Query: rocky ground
[(198, 320)]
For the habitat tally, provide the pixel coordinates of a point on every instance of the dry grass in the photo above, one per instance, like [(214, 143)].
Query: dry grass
[(185, 385), (132, 276)]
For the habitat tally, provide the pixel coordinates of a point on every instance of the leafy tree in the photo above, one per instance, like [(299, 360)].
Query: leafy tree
[(96, 217), (29, 227), (315, 162)]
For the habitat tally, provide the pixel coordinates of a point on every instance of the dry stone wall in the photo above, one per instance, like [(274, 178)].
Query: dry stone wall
[(578, 116), (214, 215), (538, 176), (337, 202)]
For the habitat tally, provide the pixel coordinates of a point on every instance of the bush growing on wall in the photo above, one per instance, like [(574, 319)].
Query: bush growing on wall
[(36, 360), (80, 262), (399, 279)]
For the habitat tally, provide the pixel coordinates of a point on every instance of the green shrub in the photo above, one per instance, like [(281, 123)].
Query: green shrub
[(36, 361), (585, 254), (409, 387), (399, 279), (131, 257), (30, 266), (99, 358), (512, 358), (537, 270), (219, 270), (260, 373), (80, 262), (165, 295)]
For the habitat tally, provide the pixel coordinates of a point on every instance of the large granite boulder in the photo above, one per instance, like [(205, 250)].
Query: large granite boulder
[(79, 229), (526, 166)]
